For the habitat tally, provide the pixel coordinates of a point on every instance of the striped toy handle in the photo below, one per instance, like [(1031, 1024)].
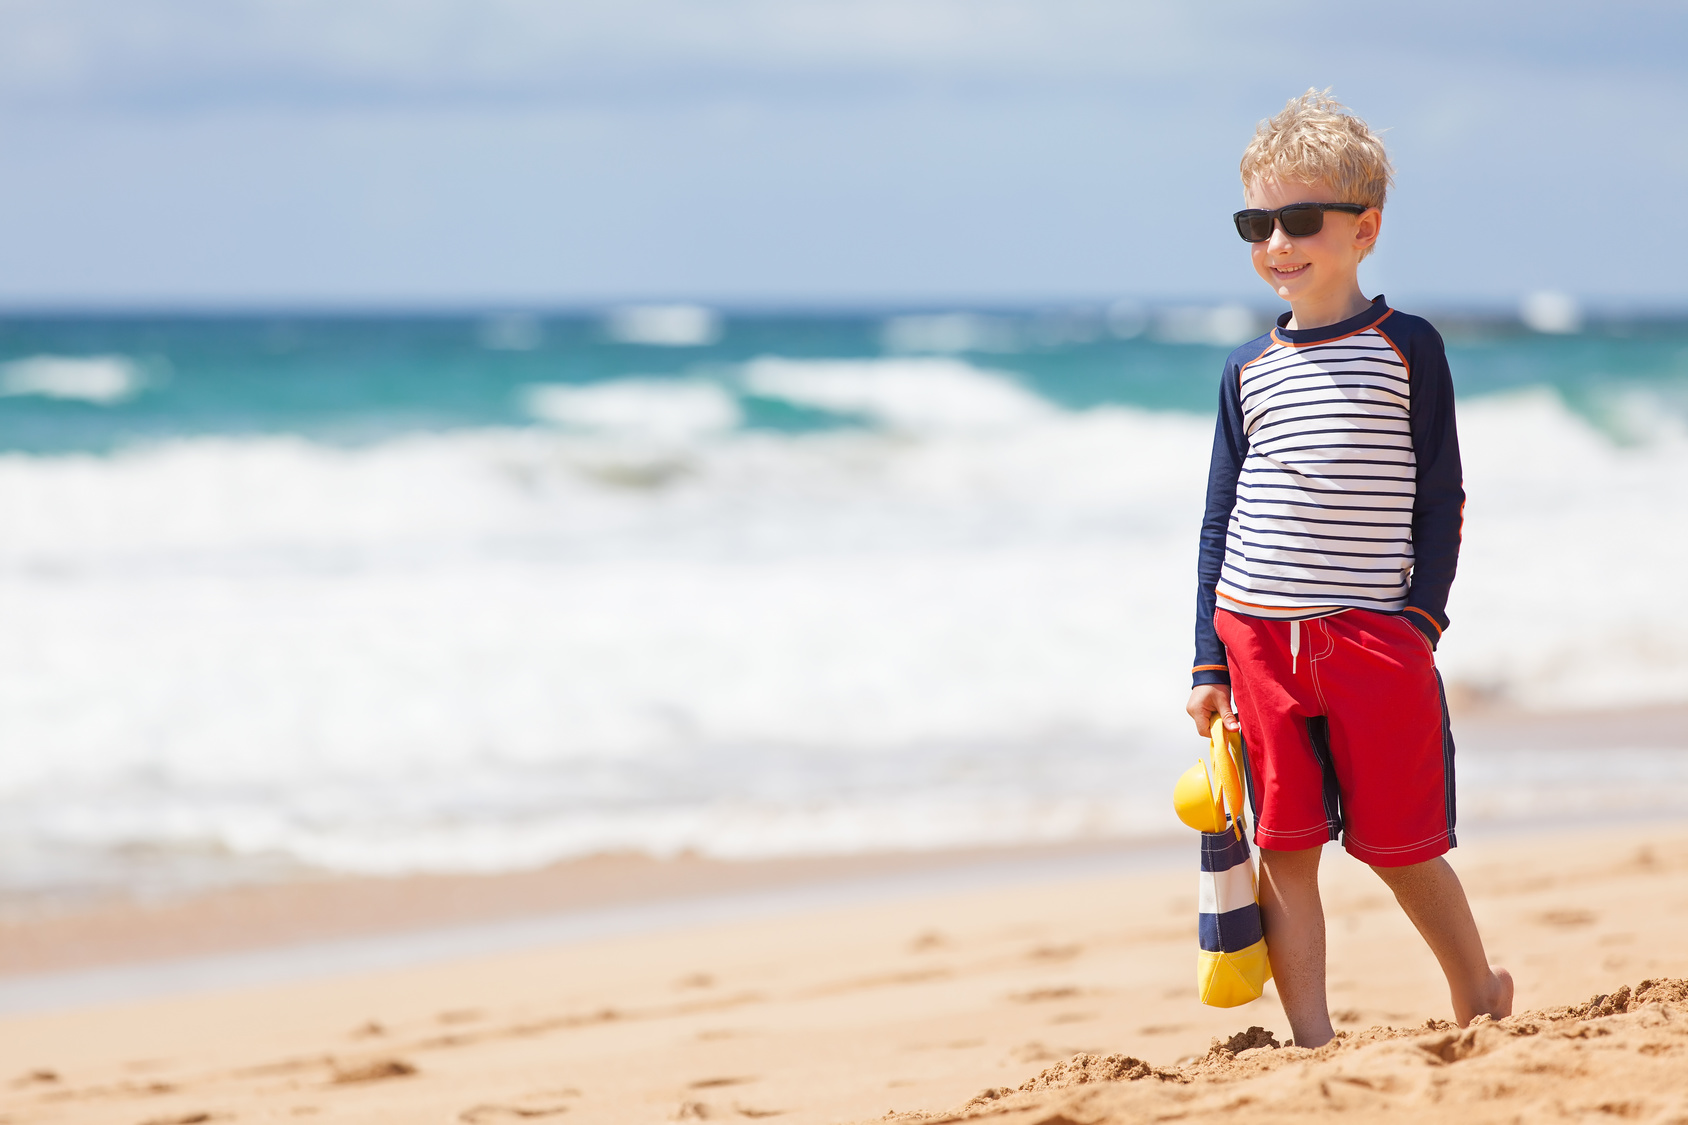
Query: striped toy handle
[(1223, 750)]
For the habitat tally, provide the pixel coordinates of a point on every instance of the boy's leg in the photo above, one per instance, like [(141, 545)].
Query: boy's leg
[(1294, 920), (1295, 809), (1431, 895), (1393, 753)]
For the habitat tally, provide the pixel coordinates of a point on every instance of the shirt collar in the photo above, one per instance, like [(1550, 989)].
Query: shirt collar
[(1378, 310)]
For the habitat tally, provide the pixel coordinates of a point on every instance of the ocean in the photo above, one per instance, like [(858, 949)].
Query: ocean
[(383, 594)]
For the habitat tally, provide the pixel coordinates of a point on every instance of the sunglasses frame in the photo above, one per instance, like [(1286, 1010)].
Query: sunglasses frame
[(1276, 217)]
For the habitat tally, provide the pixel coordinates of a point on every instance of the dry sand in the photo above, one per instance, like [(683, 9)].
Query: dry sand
[(915, 1007), (1618, 1055)]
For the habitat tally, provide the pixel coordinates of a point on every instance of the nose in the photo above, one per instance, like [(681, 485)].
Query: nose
[(1279, 243)]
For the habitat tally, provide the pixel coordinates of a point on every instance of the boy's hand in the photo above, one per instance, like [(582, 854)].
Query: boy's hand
[(1208, 700)]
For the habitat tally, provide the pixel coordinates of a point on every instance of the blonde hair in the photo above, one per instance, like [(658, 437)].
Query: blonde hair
[(1314, 137)]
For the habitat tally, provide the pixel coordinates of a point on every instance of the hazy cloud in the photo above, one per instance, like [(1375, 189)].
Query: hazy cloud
[(192, 151), (192, 53)]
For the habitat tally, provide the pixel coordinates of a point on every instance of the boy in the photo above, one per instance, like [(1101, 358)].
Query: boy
[(1334, 505)]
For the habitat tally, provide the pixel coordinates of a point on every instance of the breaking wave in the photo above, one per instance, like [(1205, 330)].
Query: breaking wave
[(959, 616)]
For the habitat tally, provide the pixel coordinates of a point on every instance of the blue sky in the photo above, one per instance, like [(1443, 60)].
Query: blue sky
[(438, 152)]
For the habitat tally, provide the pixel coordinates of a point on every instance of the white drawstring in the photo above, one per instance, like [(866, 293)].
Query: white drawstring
[(1294, 645)]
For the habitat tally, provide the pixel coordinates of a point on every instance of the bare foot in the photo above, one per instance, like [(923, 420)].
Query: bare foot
[(1497, 999)]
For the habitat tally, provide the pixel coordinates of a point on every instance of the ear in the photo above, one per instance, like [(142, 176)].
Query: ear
[(1367, 226)]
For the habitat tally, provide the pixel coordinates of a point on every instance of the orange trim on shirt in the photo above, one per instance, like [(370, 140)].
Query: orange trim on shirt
[(1424, 614), (1405, 366), (1344, 336), (1251, 605), (1211, 668), (1248, 365)]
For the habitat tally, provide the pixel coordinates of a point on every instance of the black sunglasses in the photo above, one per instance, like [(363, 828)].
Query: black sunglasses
[(1299, 219)]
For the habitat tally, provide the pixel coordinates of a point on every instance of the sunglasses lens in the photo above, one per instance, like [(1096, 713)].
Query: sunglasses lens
[(1299, 221), (1254, 226)]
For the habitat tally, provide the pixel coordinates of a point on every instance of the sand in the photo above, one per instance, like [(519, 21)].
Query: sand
[(43, 934), (1618, 1055), (916, 1007)]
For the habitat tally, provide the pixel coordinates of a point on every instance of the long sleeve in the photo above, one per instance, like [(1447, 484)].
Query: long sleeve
[(1439, 503), (1230, 446)]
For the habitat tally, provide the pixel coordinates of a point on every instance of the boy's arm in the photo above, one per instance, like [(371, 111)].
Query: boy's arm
[(1439, 505), (1230, 446)]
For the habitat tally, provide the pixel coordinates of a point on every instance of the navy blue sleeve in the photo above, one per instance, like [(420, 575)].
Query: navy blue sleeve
[(1439, 504), (1230, 446)]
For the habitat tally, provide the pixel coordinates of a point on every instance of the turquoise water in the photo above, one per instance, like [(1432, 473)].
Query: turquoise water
[(359, 379), (473, 593)]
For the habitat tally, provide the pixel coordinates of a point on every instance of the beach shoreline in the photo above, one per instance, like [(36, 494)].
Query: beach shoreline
[(45, 935), (327, 925)]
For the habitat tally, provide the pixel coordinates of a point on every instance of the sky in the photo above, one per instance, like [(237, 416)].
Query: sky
[(420, 153)]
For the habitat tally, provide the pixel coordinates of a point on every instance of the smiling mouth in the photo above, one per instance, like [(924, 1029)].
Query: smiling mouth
[(1290, 271)]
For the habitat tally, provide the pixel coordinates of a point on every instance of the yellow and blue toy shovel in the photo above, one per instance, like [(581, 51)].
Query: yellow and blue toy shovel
[(1231, 967)]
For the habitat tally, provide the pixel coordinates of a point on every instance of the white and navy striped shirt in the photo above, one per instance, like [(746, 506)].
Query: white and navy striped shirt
[(1324, 508), (1335, 481)]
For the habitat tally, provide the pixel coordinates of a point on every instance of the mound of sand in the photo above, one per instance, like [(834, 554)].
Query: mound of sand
[(1618, 1056)]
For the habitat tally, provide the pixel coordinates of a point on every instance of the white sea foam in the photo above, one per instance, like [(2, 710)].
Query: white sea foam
[(670, 409), (1553, 313), (101, 379), (950, 332), (1572, 542), (1222, 325), (967, 624), (667, 326), (921, 395)]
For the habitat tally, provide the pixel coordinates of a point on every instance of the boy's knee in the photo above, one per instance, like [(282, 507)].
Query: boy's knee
[(1288, 865), (1424, 870)]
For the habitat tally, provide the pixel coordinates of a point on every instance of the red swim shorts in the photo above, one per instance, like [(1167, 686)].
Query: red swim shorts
[(1348, 738)]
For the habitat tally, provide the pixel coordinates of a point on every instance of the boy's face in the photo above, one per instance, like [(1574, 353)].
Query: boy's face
[(1318, 266)]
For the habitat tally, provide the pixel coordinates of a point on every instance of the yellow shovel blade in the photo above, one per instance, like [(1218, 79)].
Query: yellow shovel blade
[(1197, 804)]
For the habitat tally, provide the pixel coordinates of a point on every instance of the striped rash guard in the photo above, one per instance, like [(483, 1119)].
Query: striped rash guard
[(1335, 482)]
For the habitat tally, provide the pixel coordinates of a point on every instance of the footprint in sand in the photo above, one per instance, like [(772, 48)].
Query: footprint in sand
[(1036, 1052), (542, 1103), (711, 1083), (702, 1111), (374, 1070), (459, 1015), (1566, 918), (1055, 952), (1036, 995), (477, 1114)]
